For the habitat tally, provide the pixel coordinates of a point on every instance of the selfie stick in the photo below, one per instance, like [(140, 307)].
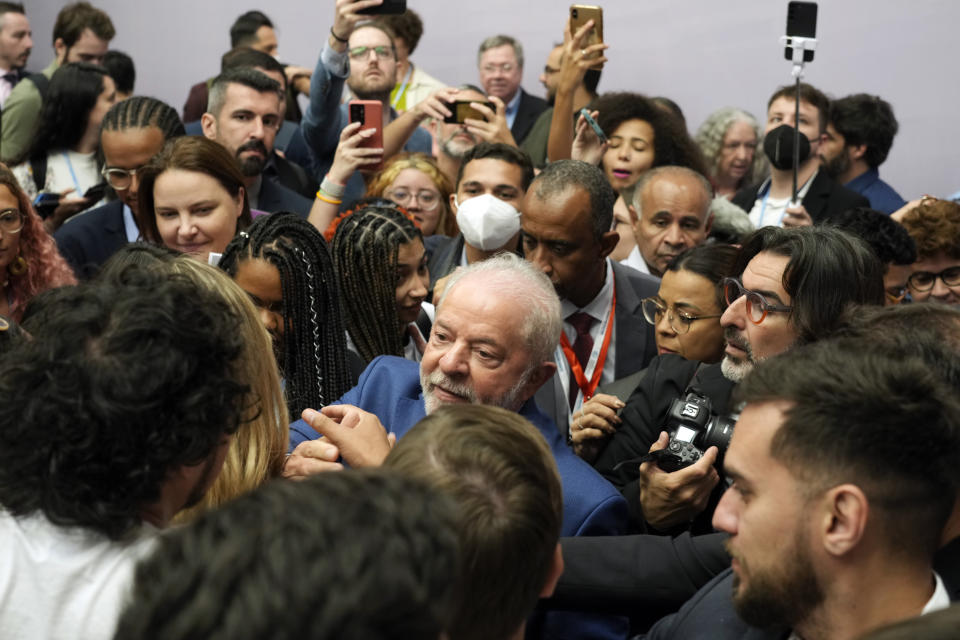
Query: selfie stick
[(799, 44)]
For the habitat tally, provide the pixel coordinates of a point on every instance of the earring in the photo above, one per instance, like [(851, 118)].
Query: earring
[(18, 267)]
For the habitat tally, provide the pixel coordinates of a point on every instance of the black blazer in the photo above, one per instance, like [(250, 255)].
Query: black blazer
[(89, 238), (275, 197), (825, 198), (528, 111)]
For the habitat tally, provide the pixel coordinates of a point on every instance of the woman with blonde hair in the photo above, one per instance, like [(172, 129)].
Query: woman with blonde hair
[(258, 449), (29, 260), (414, 181)]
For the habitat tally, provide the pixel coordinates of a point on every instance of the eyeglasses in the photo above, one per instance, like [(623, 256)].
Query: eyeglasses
[(382, 52), (679, 321), (119, 179), (506, 67), (757, 305), (924, 280), (428, 199), (11, 221), (895, 295)]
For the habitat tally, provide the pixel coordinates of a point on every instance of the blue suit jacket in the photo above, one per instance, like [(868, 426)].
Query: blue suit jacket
[(89, 238), (390, 389)]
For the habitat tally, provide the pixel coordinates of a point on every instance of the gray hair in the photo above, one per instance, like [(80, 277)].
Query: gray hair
[(653, 175), (246, 76), (561, 175), (498, 41), (536, 299), (710, 137)]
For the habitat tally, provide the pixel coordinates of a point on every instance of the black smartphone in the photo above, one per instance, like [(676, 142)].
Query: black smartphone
[(801, 21), (393, 7), (461, 110), (95, 193), (45, 203)]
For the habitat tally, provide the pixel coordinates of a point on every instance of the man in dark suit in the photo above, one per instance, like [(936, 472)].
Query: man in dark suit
[(133, 131), (836, 507), (244, 116), (769, 203), (16, 42), (566, 220), (500, 60)]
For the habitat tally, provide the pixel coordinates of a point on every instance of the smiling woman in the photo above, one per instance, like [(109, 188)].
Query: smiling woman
[(192, 197)]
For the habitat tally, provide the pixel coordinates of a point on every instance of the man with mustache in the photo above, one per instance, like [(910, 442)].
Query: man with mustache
[(16, 42), (244, 115), (793, 288)]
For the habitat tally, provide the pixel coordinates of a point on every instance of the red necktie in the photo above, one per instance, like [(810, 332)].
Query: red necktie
[(582, 347)]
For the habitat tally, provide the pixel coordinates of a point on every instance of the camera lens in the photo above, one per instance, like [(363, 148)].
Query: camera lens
[(574, 14)]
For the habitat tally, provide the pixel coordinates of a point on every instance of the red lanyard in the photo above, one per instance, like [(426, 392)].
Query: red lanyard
[(589, 387)]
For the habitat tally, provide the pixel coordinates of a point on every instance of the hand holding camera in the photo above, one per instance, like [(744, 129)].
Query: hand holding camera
[(672, 498)]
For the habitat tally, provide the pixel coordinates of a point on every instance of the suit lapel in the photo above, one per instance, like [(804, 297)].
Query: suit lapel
[(631, 331)]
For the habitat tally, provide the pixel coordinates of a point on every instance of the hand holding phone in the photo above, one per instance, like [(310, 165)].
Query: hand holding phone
[(580, 14), (461, 110), (369, 113)]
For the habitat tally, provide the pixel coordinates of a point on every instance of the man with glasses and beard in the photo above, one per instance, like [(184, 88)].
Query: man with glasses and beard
[(793, 288), (244, 115)]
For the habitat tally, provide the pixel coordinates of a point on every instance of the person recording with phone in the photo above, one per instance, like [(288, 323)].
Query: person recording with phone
[(769, 203), (60, 172)]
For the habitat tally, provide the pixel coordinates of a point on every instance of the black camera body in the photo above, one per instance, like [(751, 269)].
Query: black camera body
[(693, 428)]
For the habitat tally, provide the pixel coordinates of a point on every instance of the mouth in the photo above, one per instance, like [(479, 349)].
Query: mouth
[(664, 350), (448, 397), (192, 248), (735, 351), (621, 174)]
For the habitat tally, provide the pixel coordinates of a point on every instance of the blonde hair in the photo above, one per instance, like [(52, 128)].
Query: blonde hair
[(258, 449), (446, 222)]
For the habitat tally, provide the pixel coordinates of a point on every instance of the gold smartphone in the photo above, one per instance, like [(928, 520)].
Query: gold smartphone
[(579, 15)]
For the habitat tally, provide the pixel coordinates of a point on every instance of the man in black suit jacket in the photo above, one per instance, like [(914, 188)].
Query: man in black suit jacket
[(836, 507), (820, 197), (565, 221), (501, 69), (244, 116)]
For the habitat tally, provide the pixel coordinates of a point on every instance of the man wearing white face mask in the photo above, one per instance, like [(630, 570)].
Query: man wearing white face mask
[(492, 181)]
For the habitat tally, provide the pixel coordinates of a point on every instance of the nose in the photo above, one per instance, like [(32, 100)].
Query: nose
[(734, 314), (538, 256), (940, 290), (257, 132), (134, 186), (674, 236), (743, 154), (624, 151), (453, 363), (725, 516), (420, 289), (663, 324), (268, 319), (187, 228)]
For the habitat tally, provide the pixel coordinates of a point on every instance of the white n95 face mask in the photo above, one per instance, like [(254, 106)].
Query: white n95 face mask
[(487, 222)]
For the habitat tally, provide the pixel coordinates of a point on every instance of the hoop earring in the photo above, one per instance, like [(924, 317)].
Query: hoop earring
[(18, 267)]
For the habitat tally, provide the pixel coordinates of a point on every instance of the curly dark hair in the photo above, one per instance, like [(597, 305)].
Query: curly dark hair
[(885, 235), (935, 227), (122, 383), (672, 144), (374, 554)]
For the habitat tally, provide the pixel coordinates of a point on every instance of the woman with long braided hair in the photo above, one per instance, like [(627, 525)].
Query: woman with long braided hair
[(381, 269), (283, 264)]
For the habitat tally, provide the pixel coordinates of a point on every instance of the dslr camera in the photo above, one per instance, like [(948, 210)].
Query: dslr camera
[(693, 428)]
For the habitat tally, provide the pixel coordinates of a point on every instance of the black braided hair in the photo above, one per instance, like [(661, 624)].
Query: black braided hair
[(314, 349), (140, 112), (365, 247)]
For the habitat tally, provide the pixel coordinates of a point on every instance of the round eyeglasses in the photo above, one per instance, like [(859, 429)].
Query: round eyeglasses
[(119, 179), (680, 321), (924, 280), (757, 305), (428, 200), (11, 221)]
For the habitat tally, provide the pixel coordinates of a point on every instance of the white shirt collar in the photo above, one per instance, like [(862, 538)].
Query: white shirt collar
[(636, 261)]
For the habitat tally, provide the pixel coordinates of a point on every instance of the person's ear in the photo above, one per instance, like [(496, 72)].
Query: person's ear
[(540, 374), (553, 576), (238, 201), (209, 126), (608, 242), (844, 511), (857, 151), (453, 203), (60, 50), (709, 225)]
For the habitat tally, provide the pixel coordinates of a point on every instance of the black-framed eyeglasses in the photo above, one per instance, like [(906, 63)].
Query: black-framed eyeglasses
[(119, 179), (757, 305), (11, 221), (679, 320), (924, 280), (382, 52)]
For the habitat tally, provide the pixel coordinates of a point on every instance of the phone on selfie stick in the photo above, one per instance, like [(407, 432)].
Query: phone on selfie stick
[(801, 42)]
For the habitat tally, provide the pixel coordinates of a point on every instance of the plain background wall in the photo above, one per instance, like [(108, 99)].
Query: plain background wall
[(702, 53)]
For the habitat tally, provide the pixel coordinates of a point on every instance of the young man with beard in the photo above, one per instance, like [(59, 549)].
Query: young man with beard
[(793, 288), (859, 136), (244, 115), (820, 197), (837, 502), (16, 42)]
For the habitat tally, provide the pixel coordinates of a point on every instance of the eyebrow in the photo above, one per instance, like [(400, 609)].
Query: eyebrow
[(769, 294)]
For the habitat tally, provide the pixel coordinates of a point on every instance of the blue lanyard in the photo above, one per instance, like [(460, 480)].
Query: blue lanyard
[(73, 174)]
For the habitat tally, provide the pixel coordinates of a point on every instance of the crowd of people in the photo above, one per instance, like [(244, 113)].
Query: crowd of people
[(560, 368)]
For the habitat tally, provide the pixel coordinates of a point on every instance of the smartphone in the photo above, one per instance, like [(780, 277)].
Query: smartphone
[(593, 125), (579, 15), (370, 114), (801, 21), (462, 110), (45, 203), (393, 7), (95, 193)]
